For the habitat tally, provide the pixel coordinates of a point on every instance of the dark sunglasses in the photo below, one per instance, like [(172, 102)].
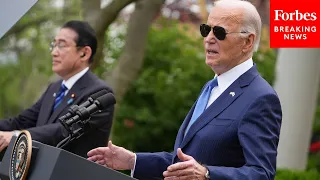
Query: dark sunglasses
[(218, 31)]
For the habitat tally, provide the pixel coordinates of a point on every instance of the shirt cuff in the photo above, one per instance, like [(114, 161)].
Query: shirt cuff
[(16, 133), (134, 166)]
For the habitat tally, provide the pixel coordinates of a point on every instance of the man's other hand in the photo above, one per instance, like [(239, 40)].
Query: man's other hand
[(188, 169)]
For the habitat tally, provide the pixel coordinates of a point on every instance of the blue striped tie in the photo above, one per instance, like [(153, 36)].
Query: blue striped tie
[(202, 102), (59, 96)]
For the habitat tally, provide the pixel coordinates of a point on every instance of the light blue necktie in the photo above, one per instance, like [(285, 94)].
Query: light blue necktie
[(59, 96), (202, 102)]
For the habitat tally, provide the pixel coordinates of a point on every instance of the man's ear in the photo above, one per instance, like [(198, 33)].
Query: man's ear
[(86, 53), (249, 43)]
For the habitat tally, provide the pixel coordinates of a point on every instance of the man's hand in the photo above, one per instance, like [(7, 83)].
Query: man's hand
[(113, 156), (5, 138), (189, 169)]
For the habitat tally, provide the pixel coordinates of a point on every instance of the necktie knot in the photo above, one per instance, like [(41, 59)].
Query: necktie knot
[(63, 88), (213, 83)]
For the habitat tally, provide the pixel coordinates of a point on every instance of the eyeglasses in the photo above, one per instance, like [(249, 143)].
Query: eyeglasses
[(218, 31), (59, 45)]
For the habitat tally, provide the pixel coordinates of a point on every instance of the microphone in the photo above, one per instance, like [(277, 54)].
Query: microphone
[(73, 109), (83, 113)]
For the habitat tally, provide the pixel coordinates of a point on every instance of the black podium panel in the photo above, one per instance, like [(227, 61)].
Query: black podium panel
[(51, 163)]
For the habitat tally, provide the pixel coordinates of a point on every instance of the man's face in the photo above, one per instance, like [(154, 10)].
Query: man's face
[(222, 55), (65, 55)]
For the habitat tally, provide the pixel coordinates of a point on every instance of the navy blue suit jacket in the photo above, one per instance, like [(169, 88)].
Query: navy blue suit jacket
[(236, 137)]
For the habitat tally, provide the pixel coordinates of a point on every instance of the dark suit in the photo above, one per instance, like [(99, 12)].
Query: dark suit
[(236, 136), (44, 126)]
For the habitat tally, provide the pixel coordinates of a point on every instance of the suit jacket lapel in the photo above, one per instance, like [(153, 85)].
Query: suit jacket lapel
[(180, 135), (221, 103), (49, 99), (71, 97)]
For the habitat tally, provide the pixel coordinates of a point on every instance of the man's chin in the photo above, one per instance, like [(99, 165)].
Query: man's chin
[(58, 71)]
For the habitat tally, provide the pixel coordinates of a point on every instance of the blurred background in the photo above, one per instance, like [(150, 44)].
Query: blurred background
[(152, 55)]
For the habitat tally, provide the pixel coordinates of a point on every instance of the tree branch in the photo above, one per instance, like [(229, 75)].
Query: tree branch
[(108, 14), (131, 60), (91, 9)]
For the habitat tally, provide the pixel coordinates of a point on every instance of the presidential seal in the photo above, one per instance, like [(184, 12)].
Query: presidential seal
[(21, 156)]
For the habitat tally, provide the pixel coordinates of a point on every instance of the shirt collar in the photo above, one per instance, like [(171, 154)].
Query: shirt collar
[(227, 78), (71, 81)]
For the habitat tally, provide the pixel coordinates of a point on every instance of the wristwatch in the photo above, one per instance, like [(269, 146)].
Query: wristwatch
[(207, 175)]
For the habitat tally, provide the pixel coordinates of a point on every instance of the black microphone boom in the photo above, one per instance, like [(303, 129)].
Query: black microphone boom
[(73, 109), (83, 113)]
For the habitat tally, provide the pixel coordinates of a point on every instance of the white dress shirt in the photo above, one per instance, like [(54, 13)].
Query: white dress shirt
[(227, 78), (71, 81)]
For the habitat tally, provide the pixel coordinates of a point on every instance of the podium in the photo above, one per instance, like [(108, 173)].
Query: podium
[(51, 163)]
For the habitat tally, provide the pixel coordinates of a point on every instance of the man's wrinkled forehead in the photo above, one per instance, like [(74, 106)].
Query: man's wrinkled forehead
[(220, 16)]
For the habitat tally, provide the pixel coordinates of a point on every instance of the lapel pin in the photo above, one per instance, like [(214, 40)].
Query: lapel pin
[(71, 99), (232, 93), (54, 94)]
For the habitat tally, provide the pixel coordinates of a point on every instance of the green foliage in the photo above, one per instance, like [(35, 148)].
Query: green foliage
[(266, 60), (314, 162), (284, 174)]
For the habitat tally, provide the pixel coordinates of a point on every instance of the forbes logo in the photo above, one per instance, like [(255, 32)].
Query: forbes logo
[(294, 16)]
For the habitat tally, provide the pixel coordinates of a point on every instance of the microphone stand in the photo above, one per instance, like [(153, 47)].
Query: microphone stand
[(73, 134), (64, 142)]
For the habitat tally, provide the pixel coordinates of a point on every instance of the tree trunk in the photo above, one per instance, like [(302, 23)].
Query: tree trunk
[(131, 60), (203, 10), (100, 19)]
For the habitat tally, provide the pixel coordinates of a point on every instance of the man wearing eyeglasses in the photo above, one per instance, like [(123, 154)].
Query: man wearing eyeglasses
[(72, 51), (232, 130)]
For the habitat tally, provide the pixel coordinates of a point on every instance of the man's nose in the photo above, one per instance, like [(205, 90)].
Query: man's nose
[(211, 38), (54, 51)]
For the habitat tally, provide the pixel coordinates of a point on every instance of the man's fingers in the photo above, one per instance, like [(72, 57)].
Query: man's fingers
[(112, 147), (110, 144), (179, 166), (182, 156), (3, 145), (101, 162), (178, 173), (178, 178), (99, 150), (96, 157)]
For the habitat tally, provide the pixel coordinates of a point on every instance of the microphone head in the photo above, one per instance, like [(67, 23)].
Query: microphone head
[(105, 101), (98, 94)]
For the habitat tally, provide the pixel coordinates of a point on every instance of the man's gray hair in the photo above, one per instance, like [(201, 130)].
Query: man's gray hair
[(252, 20)]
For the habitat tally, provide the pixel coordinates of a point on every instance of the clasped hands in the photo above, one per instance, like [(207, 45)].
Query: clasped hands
[(119, 158)]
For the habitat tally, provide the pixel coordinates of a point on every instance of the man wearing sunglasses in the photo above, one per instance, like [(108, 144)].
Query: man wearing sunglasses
[(72, 51), (232, 130)]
